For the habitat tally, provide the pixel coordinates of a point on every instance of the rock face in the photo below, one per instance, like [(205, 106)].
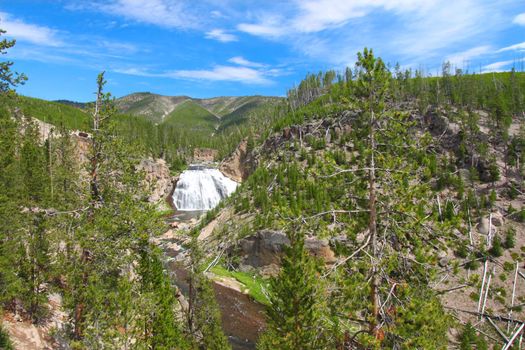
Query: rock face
[(204, 154), (239, 165), (82, 144), (265, 248), (158, 178)]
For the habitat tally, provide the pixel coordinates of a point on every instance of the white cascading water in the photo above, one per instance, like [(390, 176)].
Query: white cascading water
[(201, 188)]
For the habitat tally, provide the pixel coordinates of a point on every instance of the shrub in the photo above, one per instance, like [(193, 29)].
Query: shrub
[(472, 265), (461, 251), (510, 238), (5, 342), (496, 250)]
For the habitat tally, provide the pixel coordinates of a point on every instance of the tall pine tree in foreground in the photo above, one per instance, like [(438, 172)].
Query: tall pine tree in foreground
[(295, 314), (117, 293)]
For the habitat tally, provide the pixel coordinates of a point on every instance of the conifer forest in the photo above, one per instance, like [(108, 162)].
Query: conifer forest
[(379, 206)]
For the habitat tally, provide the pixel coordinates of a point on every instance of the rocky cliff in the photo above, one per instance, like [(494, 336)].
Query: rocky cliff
[(158, 178), (240, 164)]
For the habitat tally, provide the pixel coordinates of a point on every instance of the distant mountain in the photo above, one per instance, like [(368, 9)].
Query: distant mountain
[(152, 106), (158, 108), (80, 105)]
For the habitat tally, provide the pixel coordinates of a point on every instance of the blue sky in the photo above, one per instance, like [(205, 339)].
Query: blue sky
[(211, 48)]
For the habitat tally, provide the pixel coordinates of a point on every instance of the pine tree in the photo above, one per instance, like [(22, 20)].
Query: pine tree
[(34, 268), (110, 236), (296, 294), (8, 78), (161, 329), (391, 213)]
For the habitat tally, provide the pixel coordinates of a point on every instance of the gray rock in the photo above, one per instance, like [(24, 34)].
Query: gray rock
[(483, 226), (443, 262), (266, 247)]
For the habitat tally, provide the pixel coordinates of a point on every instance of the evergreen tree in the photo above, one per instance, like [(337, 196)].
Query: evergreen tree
[(295, 314), (8, 78)]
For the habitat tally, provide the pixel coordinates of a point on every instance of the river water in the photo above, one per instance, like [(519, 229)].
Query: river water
[(242, 318)]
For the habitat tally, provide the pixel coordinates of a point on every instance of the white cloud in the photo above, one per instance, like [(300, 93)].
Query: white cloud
[(243, 75), (520, 19), (220, 35), (241, 61), (497, 66), (33, 33), (165, 13), (118, 47), (311, 16), (330, 30), (460, 58), (515, 47), (224, 73), (266, 29), (135, 71)]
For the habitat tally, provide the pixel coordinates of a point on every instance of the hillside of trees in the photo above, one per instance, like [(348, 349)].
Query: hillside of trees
[(399, 173)]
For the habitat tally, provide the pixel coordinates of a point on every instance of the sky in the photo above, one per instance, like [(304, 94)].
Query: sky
[(206, 48)]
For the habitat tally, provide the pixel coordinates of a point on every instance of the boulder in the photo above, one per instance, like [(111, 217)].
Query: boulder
[(266, 247), (497, 219), (483, 226), (320, 248), (286, 133), (443, 262), (263, 248)]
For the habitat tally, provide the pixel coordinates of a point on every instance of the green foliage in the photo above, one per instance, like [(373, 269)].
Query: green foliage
[(254, 284), (190, 116), (295, 314), (55, 113), (469, 340), (510, 238), (421, 323), (204, 316), (8, 78), (462, 250), (496, 250), (5, 342)]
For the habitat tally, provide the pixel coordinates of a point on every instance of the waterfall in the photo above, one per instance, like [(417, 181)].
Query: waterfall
[(201, 188)]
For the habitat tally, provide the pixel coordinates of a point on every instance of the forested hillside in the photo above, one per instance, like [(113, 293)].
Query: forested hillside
[(167, 127), (75, 240), (382, 209), (401, 199)]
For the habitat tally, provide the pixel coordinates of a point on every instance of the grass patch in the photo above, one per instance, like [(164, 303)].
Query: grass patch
[(252, 282)]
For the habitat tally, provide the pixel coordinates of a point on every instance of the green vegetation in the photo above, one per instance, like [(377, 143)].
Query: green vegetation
[(192, 117), (387, 165), (295, 317), (253, 284), (5, 343), (82, 230), (55, 113)]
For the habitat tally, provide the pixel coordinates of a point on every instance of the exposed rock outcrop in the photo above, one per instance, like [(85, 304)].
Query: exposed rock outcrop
[(440, 126), (204, 154), (159, 180), (266, 248), (240, 164)]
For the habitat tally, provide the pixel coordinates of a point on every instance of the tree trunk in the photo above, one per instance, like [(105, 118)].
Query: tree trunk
[(372, 226)]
